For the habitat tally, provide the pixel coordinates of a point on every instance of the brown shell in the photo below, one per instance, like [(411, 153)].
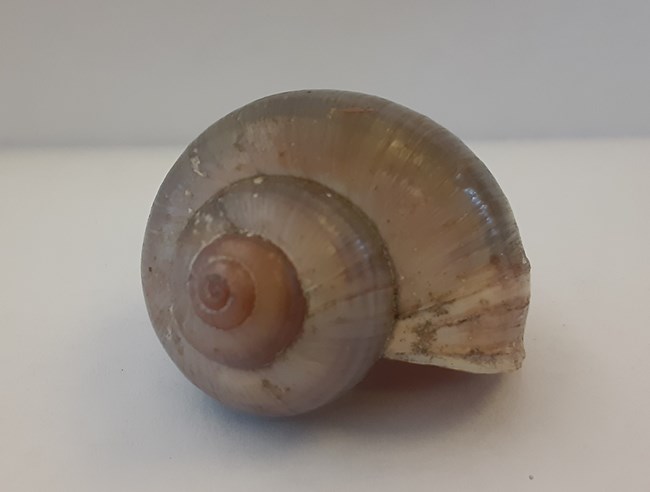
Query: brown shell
[(461, 275)]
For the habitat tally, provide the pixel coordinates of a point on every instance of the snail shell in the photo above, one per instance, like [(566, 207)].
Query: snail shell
[(307, 234)]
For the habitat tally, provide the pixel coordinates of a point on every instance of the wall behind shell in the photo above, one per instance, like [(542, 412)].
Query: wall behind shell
[(134, 72)]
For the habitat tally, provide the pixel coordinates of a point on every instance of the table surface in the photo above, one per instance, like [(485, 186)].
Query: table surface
[(90, 401)]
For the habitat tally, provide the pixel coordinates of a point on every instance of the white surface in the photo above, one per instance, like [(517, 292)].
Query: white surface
[(91, 402), (157, 71)]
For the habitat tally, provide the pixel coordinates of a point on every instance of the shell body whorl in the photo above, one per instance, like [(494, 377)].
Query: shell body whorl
[(386, 235)]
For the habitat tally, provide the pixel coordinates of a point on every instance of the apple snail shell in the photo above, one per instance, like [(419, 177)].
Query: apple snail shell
[(305, 235)]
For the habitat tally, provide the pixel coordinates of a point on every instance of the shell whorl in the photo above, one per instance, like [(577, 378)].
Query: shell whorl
[(245, 288), (401, 241), (274, 276)]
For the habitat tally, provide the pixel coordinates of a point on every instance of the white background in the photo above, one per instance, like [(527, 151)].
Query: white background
[(126, 72), (89, 399), (91, 402)]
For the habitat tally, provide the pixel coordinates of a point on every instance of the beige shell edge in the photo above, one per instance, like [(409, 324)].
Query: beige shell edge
[(468, 334)]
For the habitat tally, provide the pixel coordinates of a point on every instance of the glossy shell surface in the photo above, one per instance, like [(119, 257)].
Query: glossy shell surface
[(460, 276)]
